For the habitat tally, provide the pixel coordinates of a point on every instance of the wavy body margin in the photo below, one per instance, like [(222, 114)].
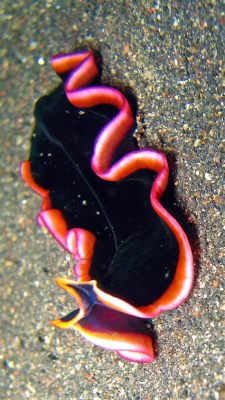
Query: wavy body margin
[(93, 319)]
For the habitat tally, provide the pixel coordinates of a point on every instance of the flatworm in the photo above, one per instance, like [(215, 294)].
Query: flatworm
[(101, 202)]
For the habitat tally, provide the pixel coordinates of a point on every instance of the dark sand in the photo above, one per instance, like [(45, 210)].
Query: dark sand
[(171, 56)]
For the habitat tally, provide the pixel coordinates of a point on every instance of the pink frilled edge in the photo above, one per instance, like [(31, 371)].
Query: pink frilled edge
[(105, 320)]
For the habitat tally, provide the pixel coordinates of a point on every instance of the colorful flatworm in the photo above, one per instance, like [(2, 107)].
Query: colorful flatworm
[(133, 259)]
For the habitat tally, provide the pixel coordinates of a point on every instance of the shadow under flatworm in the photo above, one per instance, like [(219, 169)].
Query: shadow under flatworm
[(135, 254)]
